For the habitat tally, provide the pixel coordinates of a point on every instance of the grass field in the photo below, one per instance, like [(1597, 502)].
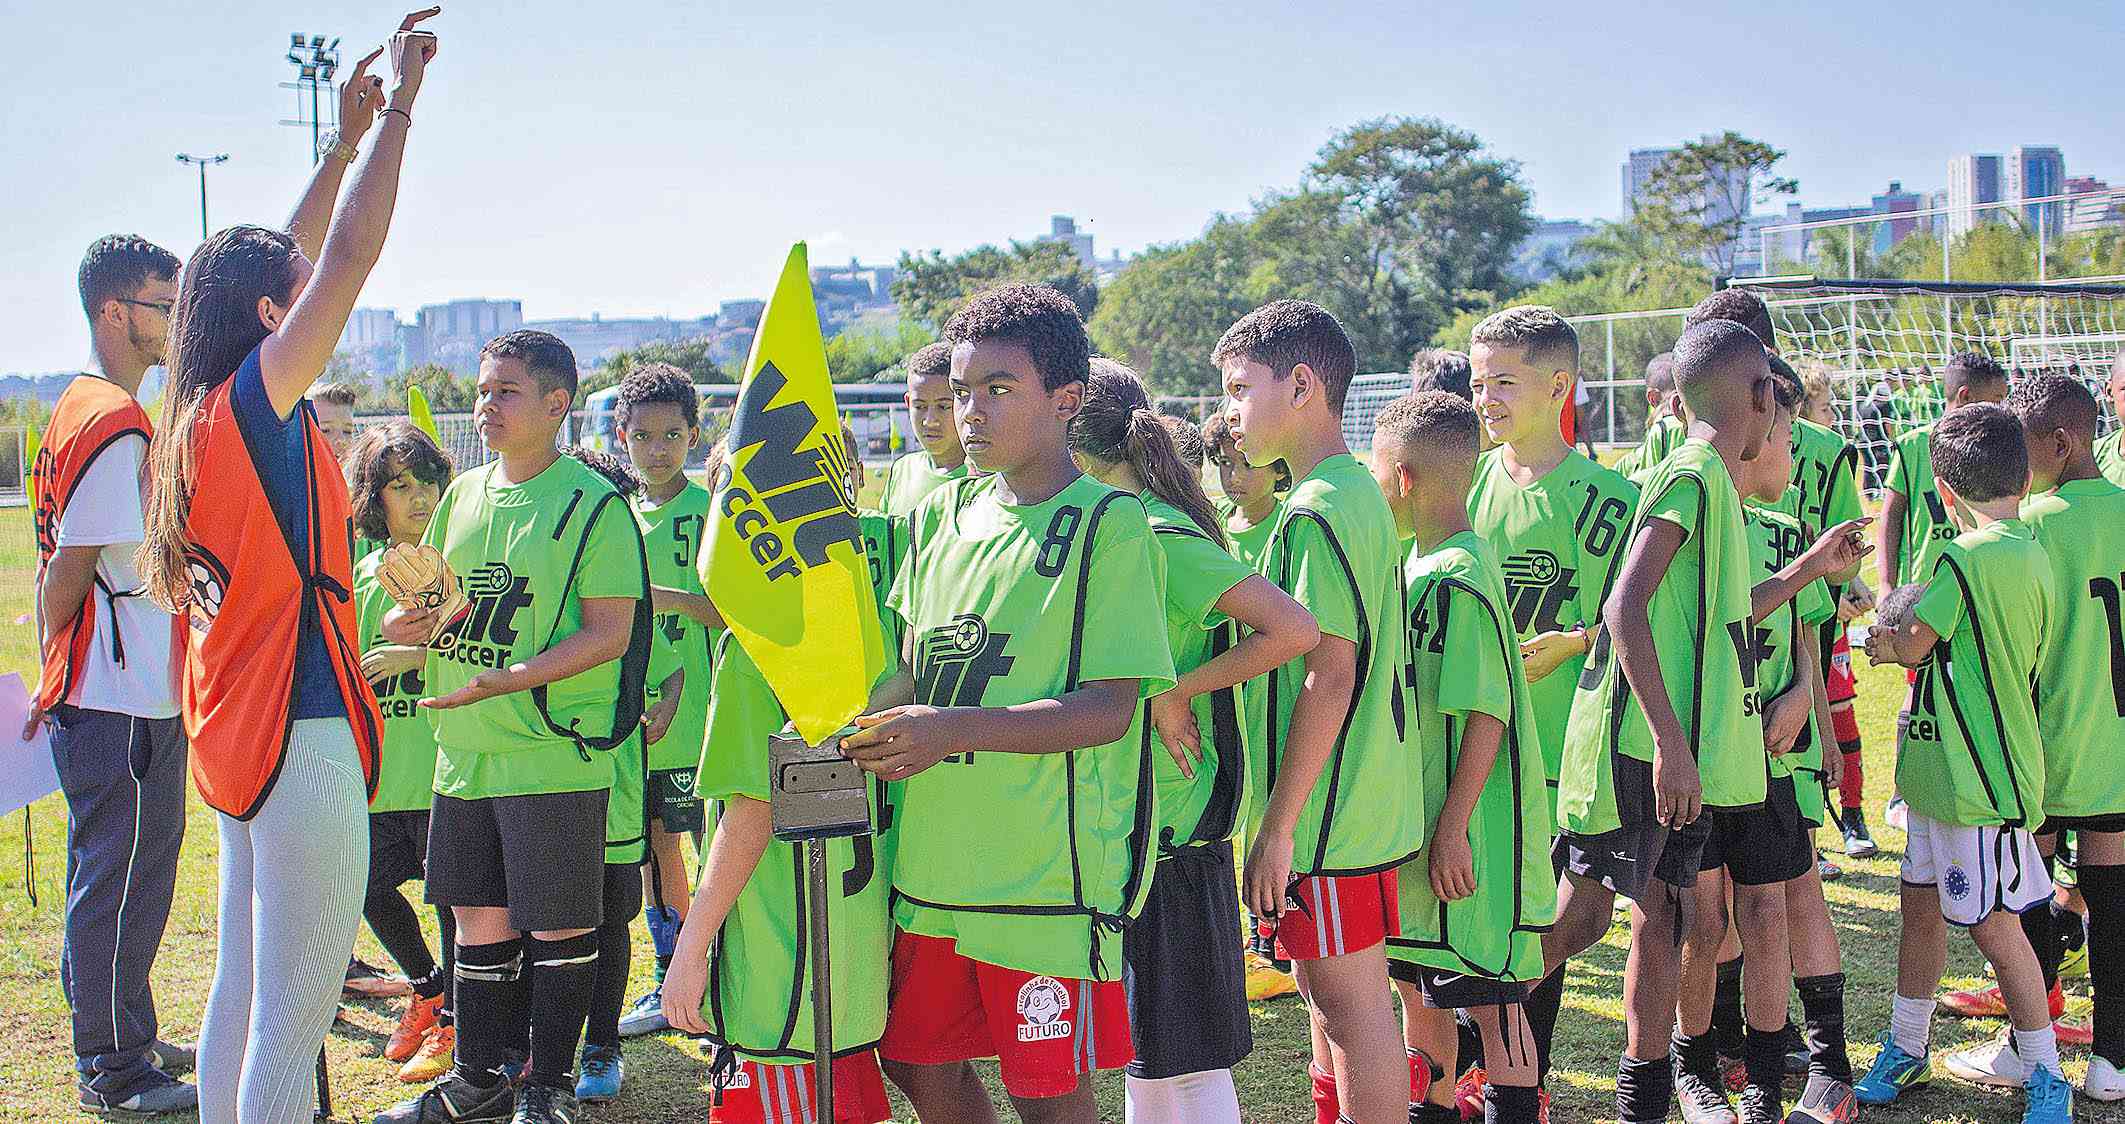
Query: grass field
[(667, 1075)]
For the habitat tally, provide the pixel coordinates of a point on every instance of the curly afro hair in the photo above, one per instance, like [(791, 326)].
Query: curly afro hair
[(659, 382), (1038, 318)]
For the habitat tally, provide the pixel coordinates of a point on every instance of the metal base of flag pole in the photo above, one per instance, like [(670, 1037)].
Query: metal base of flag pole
[(324, 1087), (822, 981)]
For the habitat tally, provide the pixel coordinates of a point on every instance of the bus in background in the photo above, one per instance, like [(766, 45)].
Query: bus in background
[(876, 411)]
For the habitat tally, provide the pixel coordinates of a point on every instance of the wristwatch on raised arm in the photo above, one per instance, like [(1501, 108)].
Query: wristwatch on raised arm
[(333, 146)]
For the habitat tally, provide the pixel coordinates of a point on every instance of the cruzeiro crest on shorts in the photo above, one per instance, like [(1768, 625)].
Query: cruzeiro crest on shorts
[(1042, 1003), (1956, 881), (1536, 587)]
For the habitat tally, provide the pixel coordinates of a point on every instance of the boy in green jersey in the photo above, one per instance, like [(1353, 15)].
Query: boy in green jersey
[(2110, 449), (1971, 766), (2078, 516), (1474, 903), (396, 474), (1336, 803), (1914, 523), (941, 459), (1185, 978), (1664, 424), (532, 683), (659, 425), (1666, 728), (1023, 818)]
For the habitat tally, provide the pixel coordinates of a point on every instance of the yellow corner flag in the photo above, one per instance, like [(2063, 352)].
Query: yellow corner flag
[(417, 410), (785, 563)]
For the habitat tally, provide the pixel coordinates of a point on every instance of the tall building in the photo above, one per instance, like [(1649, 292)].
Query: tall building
[(598, 339), (1548, 249), (1063, 229), (1637, 172), (452, 334), (2102, 213), (1732, 198), (1894, 201), (2037, 172), (371, 341), (1973, 178)]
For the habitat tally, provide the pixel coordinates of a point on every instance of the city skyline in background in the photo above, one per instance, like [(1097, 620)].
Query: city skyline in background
[(679, 145)]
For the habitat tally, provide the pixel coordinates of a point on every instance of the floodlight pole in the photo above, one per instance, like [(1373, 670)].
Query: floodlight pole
[(315, 61), (202, 161)]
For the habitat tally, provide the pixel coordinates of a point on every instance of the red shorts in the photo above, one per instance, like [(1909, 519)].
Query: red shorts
[(1837, 678), (1047, 1033), (786, 1094), (1335, 916)]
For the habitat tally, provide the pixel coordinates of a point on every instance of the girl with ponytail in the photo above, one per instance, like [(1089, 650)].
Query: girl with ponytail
[(1226, 624)]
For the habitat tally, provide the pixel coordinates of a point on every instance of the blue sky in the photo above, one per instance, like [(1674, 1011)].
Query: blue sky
[(657, 158)]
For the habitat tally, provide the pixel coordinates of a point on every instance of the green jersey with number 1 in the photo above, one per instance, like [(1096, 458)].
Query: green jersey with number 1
[(1032, 861), (672, 534), (2080, 685), (1700, 624), (405, 771), (1205, 809), (1336, 552), (1927, 527), (1559, 539), (1971, 754), (1775, 540), (1457, 620)]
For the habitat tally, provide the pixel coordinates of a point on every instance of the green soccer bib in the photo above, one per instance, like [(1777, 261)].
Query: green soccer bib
[(911, 478), (1030, 861), (1463, 660), (1927, 527), (405, 771), (1775, 540), (2080, 683), (1205, 809), (672, 536)]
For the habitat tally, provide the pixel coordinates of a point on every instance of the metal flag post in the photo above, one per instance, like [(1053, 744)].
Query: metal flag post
[(817, 794)]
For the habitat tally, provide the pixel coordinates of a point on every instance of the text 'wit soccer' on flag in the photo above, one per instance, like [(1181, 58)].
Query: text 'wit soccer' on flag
[(785, 563)]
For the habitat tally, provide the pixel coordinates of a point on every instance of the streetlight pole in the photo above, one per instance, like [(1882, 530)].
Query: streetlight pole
[(202, 161), (315, 62)]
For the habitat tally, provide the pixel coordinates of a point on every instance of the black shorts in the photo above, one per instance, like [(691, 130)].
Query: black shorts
[(1182, 968), (1457, 991), (1761, 845), (541, 855), (1628, 859), (398, 849), (2109, 821), (622, 893), (672, 801)]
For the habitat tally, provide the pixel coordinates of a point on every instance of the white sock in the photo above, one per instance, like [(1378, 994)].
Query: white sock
[(2039, 1048), (1911, 1024), (1208, 1096)]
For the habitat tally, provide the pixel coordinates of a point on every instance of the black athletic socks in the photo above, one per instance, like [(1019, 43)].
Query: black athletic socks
[(1644, 1090), (610, 992), (2036, 925), (1822, 1012), (1541, 1008), (1727, 1024), (1764, 1056), (1697, 1054), (2104, 887), (563, 974), (1511, 1104), (490, 1013)]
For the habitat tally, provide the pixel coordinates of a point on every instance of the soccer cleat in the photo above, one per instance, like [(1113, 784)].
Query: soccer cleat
[(543, 1104), (371, 982), (1858, 843), (2073, 1032), (1468, 1093), (2104, 1082), (1826, 1100), (1988, 1003), (599, 1074), (1992, 1063), (1892, 1074), (1760, 1105), (177, 1060), (646, 1016), (414, 1023), (1826, 870), (454, 1100), (2049, 1098), (438, 1050), (1701, 1098), (157, 1094), (2074, 965), (1264, 981)]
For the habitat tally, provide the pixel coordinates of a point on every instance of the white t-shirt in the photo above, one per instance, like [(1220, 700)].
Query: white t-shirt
[(106, 511)]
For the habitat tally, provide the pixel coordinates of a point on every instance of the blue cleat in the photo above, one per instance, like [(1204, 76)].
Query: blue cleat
[(2050, 1098), (1893, 1073), (646, 1016), (599, 1074)]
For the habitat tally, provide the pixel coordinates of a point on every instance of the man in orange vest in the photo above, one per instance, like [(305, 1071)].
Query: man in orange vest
[(108, 690)]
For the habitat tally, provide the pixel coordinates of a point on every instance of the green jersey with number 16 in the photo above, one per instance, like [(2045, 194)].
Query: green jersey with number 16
[(1031, 861)]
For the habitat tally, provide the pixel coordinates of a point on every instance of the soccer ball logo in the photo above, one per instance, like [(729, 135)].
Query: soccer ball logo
[(1956, 882), (969, 633), (209, 582), (1041, 1003), (491, 580)]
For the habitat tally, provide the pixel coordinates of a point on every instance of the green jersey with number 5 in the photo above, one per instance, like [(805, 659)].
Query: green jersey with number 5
[(672, 533)]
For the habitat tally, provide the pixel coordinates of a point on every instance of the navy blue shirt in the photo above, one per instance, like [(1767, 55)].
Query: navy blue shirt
[(282, 456)]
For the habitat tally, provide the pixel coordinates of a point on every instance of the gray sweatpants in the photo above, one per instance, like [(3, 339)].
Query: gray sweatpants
[(292, 879), (124, 780)]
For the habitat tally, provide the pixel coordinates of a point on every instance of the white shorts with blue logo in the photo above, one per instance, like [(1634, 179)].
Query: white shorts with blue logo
[(1975, 870)]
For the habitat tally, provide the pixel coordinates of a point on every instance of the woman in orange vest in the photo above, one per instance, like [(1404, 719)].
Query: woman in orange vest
[(249, 536)]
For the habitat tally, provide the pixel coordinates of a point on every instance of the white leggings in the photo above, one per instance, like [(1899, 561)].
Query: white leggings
[(1207, 1097), (292, 880)]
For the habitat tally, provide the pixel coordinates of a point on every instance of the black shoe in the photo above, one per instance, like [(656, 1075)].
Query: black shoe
[(172, 1058), (544, 1104), (454, 1100), (1858, 844), (1761, 1105)]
